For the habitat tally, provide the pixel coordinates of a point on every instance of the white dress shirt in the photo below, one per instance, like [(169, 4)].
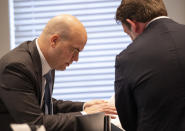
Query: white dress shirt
[(160, 17), (45, 69)]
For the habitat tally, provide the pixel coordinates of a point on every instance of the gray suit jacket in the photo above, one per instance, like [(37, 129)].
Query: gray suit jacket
[(21, 89)]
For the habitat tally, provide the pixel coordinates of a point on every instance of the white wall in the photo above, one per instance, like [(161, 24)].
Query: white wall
[(176, 9), (4, 27)]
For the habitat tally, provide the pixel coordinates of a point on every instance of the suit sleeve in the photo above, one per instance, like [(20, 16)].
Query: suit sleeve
[(17, 92), (61, 106), (124, 99)]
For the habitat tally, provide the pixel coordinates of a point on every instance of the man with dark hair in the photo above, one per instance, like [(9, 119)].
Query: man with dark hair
[(150, 73)]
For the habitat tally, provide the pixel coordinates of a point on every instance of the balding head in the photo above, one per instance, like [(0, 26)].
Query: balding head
[(62, 31), (64, 25)]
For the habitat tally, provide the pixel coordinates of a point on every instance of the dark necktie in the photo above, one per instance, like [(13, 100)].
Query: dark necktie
[(47, 94)]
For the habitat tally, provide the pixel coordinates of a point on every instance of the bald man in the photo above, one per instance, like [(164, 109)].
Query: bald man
[(23, 85)]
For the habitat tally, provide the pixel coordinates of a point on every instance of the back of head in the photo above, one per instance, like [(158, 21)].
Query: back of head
[(140, 10)]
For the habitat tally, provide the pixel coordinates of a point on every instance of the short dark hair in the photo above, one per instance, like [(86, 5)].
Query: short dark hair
[(140, 10)]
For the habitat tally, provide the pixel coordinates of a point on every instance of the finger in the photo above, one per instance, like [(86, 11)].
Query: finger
[(110, 111), (100, 101), (107, 107), (111, 116)]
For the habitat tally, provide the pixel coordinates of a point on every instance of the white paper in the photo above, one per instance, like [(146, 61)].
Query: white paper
[(25, 127), (20, 127)]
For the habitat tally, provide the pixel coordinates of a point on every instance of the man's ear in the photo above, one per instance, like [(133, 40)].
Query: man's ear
[(133, 25), (137, 27), (53, 40)]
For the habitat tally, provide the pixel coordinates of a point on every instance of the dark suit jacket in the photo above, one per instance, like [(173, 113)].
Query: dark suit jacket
[(150, 79), (20, 92)]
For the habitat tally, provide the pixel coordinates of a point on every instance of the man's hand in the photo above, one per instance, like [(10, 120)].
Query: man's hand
[(95, 106)]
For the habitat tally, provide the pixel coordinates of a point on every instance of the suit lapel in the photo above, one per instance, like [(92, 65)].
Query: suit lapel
[(38, 70), (37, 67)]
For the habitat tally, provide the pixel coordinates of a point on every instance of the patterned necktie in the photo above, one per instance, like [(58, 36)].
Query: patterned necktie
[(47, 95)]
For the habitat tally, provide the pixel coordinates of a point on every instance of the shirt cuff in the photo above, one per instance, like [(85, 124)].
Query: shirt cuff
[(83, 107), (83, 113)]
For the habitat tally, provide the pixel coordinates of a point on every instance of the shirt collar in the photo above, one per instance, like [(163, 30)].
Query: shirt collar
[(45, 66), (160, 17)]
